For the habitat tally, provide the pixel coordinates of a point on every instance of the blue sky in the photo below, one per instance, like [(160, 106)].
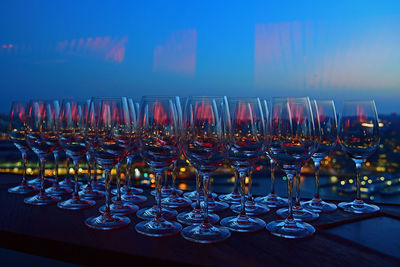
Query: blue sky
[(324, 49)]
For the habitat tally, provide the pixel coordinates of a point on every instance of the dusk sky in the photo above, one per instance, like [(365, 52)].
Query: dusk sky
[(323, 49)]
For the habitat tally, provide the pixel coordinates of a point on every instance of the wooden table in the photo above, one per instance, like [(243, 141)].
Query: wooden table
[(59, 234)]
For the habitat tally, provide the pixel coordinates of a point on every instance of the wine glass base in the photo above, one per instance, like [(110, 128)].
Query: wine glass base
[(37, 182), (41, 200), (166, 192), (231, 198), (68, 183), (272, 201), (134, 199), (76, 204), (215, 206), (22, 189), (91, 194), (98, 186), (134, 190), (319, 206), (111, 222), (175, 202), (358, 207), (295, 229), (196, 217), (205, 233), (243, 224), (252, 210), (120, 208), (58, 191), (192, 195), (150, 213), (298, 214), (158, 228)]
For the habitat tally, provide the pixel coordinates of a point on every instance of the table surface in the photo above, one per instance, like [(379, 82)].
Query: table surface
[(54, 233)]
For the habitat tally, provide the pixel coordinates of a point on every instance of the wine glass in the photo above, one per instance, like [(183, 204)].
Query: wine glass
[(111, 135), (272, 200), (246, 141), (17, 133), (72, 134), (41, 135), (130, 192), (204, 145), (174, 200), (159, 137), (291, 141), (328, 128), (89, 191), (56, 189), (359, 138)]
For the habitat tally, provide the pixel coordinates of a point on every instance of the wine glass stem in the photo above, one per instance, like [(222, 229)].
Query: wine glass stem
[(42, 164), (297, 180), (76, 170), (290, 195), (198, 188), (68, 166), (55, 154), (242, 175), (358, 172), (317, 165), (272, 176), (107, 180), (118, 168), (24, 160), (158, 194), (129, 171), (236, 185), (173, 178), (206, 181), (89, 163)]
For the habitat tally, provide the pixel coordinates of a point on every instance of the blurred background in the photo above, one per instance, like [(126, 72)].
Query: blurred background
[(323, 49)]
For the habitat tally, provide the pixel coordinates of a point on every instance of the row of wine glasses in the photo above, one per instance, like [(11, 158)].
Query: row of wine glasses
[(208, 131)]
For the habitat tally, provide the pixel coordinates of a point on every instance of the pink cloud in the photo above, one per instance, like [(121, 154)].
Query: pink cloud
[(178, 54)]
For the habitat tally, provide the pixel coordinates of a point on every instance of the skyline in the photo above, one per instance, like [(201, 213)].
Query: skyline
[(335, 50)]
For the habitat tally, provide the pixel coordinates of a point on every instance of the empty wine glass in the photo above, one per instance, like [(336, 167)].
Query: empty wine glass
[(17, 133), (328, 128), (204, 145), (159, 132), (175, 200), (130, 192), (89, 191), (72, 133), (246, 141), (271, 200), (56, 189), (359, 138), (110, 125), (291, 141), (42, 137)]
